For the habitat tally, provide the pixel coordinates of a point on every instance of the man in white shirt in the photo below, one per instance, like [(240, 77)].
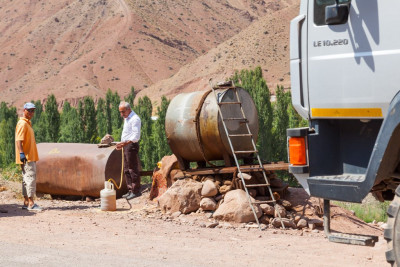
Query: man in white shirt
[(130, 142)]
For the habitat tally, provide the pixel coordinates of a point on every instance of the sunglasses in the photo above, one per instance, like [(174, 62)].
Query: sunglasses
[(31, 110)]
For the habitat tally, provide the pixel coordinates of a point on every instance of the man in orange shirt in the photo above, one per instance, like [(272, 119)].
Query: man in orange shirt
[(26, 154)]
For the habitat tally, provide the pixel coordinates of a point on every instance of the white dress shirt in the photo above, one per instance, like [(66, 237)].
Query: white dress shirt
[(131, 130)]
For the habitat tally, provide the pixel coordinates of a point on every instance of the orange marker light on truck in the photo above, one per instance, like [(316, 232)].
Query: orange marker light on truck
[(297, 151)]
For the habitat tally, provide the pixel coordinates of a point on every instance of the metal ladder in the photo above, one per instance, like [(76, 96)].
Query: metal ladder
[(243, 119)]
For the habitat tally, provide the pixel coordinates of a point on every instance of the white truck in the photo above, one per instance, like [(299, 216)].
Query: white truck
[(345, 81)]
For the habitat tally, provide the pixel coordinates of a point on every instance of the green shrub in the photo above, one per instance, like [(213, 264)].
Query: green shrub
[(11, 173), (368, 212)]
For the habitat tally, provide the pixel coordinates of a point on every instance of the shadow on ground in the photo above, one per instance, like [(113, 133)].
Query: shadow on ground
[(14, 210)]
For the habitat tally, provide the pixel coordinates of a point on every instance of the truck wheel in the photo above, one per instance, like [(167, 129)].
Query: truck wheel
[(392, 232)]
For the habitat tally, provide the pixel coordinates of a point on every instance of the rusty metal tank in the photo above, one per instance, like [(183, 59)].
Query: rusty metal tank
[(77, 169), (195, 131)]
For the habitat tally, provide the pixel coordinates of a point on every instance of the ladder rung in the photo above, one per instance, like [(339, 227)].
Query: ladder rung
[(236, 119), (252, 169), (229, 103), (246, 152), (263, 202), (237, 135), (257, 185)]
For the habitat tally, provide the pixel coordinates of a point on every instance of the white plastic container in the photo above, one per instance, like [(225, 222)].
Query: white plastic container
[(108, 199)]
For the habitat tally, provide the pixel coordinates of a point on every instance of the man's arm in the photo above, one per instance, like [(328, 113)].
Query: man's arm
[(19, 146), (120, 145), (22, 156)]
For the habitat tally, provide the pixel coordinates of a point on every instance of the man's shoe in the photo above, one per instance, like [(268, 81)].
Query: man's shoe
[(127, 194), (133, 195), (35, 207)]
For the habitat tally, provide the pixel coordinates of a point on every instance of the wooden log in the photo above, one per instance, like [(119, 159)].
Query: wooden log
[(222, 170)]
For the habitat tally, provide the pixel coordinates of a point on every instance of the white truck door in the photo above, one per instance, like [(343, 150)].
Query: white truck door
[(353, 66)]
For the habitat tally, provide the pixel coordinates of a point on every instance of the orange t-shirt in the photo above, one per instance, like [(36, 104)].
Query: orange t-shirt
[(24, 133)]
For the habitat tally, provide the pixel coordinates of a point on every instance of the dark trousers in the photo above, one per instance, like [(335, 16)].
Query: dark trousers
[(131, 167)]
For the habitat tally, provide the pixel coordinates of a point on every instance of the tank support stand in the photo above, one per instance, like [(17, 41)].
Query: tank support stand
[(362, 240), (183, 164)]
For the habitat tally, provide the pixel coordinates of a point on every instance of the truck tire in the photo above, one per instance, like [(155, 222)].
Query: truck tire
[(392, 232)]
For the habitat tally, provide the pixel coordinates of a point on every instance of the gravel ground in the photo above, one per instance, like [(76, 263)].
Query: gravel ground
[(78, 233)]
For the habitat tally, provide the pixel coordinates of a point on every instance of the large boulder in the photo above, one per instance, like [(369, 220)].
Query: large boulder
[(209, 189), (184, 196), (280, 211), (236, 208), (208, 204), (225, 188), (276, 222), (302, 223), (267, 209), (107, 139)]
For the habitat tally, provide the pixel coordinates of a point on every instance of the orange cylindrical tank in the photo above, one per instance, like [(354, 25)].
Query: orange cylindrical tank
[(195, 131), (77, 169)]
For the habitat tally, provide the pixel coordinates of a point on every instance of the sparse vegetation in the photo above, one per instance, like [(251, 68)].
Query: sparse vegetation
[(11, 173), (368, 212)]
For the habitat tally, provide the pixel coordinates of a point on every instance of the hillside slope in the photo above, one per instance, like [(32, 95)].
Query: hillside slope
[(73, 48), (264, 43)]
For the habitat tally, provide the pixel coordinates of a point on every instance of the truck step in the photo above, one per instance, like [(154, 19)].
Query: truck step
[(362, 240), (340, 178)]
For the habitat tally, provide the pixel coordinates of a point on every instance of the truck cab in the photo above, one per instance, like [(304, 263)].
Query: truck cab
[(345, 82), (343, 59)]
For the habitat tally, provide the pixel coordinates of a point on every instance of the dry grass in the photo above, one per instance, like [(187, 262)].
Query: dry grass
[(368, 212)]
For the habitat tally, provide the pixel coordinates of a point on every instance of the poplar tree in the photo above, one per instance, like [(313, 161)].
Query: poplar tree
[(131, 97), (3, 111), (52, 119), (8, 121), (7, 142), (116, 119), (38, 112), (81, 126), (89, 120), (64, 118), (254, 83), (40, 128), (6, 113), (280, 124), (109, 100), (39, 122), (295, 120), (70, 125), (159, 137), (147, 153), (101, 118)]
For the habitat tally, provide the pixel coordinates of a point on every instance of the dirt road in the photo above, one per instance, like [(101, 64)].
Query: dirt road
[(78, 233)]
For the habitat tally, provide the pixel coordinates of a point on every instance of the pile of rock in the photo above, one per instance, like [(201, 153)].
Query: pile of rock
[(223, 199)]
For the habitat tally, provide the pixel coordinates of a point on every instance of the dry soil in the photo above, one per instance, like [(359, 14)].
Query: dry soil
[(69, 233)]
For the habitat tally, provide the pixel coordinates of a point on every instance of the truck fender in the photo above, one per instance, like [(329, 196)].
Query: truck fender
[(385, 155)]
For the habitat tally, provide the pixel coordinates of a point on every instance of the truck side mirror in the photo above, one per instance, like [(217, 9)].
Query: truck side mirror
[(337, 14)]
